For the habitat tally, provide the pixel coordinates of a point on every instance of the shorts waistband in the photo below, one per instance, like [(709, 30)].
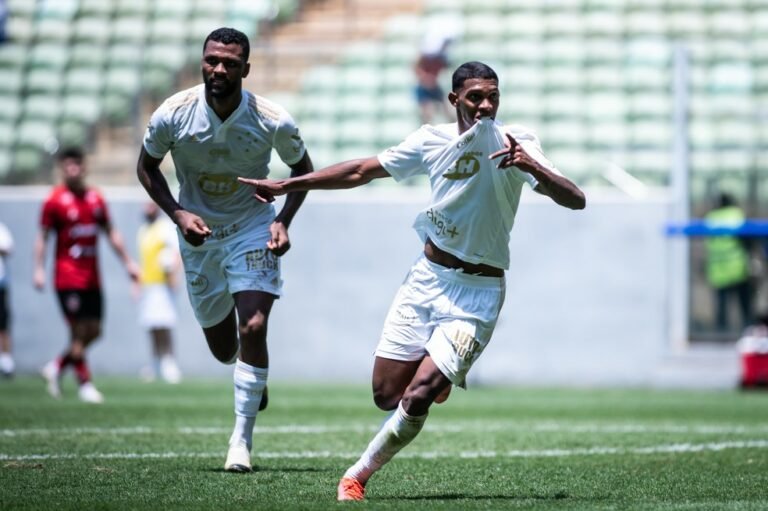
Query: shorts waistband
[(457, 275)]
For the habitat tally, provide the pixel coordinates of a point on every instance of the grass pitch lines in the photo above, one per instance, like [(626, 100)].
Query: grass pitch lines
[(681, 448), (453, 427)]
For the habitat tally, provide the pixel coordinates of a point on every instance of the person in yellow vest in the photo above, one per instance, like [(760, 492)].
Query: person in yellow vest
[(728, 263), (160, 261)]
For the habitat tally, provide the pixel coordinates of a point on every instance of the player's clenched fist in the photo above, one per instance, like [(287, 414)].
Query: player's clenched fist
[(192, 227)]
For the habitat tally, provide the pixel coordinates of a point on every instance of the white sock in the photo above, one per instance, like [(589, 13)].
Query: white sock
[(6, 363), (395, 434), (249, 386)]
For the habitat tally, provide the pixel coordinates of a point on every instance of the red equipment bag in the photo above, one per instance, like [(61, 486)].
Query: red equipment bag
[(753, 351)]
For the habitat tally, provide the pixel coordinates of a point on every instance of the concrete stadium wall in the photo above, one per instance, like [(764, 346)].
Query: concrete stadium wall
[(587, 300)]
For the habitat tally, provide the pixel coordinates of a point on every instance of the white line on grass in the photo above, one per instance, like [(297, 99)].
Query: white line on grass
[(545, 453), (456, 427)]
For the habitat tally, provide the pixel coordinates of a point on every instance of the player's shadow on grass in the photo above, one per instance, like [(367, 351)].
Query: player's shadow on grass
[(270, 469), (463, 496)]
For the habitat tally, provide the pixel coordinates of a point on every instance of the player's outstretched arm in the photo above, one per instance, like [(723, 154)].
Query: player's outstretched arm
[(559, 188), (192, 227), (347, 174)]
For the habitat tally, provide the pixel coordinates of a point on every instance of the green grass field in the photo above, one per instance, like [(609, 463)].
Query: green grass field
[(153, 446)]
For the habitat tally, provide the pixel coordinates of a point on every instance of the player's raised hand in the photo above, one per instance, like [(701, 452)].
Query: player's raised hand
[(192, 227), (513, 155), (264, 190), (279, 242)]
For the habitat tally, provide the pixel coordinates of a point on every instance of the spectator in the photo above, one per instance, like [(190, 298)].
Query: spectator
[(728, 264), (433, 59)]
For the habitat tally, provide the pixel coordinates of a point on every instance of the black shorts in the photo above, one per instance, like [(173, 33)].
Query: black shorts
[(5, 315), (80, 304)]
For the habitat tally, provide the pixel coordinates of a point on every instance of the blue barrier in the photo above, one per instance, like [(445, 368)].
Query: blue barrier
[(750, 228)]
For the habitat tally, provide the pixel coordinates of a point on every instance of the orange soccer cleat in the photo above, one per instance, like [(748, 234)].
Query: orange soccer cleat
[(350, 489)]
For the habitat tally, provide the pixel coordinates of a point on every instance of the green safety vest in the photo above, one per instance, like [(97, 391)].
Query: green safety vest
[(727, 259)]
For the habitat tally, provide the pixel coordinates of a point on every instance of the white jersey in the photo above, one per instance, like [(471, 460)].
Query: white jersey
[(473, 204), (210, 155)]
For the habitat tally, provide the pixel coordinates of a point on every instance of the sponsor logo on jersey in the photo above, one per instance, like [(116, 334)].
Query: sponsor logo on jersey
[(219, 152), (466, 166), (219, 232), (197, 283), (218, 185), (466, 140)]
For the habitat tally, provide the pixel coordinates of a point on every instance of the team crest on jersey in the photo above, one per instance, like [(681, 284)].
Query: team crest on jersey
[(197, 283), (218, 185), (466, 166)]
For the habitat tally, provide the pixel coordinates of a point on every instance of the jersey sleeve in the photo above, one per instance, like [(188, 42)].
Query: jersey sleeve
[(104, 219), (288, 142), (158, 138), (48, 215), (405, 159)]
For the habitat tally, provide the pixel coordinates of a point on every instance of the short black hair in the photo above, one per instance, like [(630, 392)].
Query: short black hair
[(226, 35), (70, 152), (725, 199), (469, 70)]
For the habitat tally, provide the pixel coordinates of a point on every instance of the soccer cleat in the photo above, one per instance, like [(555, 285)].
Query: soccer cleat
[(238, 458), (169, 370), (88, 394), (264, 400), (51, 375), (350, 489)]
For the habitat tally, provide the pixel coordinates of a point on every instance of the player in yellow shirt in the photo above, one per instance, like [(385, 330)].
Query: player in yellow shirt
[(160, 262)]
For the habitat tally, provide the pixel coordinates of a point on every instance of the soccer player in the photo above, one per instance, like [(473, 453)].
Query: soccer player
[(159, 261), (446, 310), (76, 214), (7, 366), (231, 245)]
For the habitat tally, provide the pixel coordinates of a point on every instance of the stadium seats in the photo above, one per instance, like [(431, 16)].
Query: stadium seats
[(71, 63)]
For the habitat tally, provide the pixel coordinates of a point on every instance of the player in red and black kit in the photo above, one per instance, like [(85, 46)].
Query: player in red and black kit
[(77, 214)]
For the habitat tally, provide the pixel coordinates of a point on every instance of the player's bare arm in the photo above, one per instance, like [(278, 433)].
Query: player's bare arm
[(348, 174), (192, 227), (41, 246), (117, 244), (279, 242), (559, 188)]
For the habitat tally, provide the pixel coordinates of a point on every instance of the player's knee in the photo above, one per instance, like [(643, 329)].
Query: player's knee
[(253, 326), (417, 399), (386, 400), (225, 355)]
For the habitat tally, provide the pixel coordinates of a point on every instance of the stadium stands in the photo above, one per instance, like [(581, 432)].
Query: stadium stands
[(593, 77), (71, 64)]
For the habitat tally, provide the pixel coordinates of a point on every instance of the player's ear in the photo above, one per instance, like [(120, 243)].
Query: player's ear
[(246, 69), (453, 98)]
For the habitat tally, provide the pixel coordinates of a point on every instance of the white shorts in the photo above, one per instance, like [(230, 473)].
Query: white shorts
[(243, 263), (156, 307), (445, 313)]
